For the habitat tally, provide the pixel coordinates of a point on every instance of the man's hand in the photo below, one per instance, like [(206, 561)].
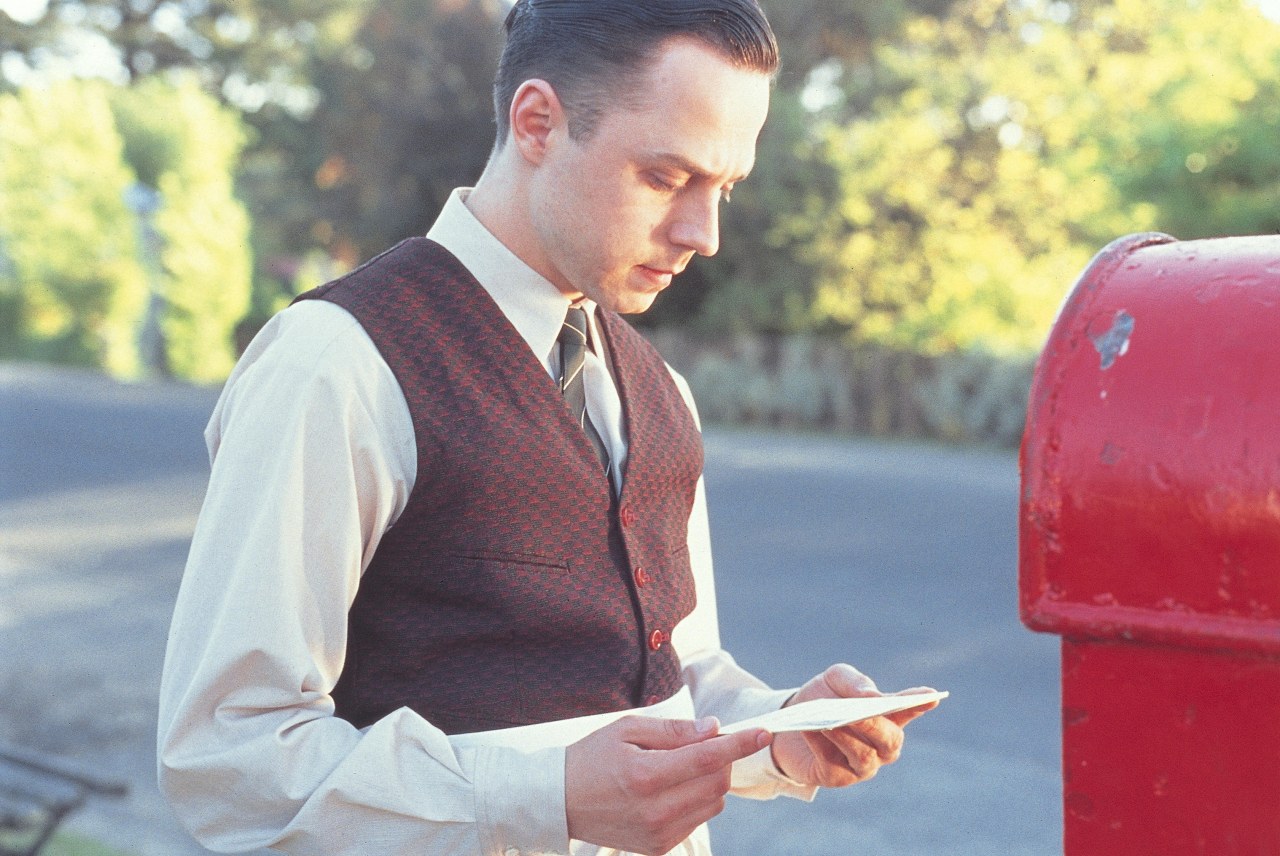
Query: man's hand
[(849, 754), (643, 784)]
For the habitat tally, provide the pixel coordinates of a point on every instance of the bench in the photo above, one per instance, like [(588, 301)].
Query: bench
[(37, 792)]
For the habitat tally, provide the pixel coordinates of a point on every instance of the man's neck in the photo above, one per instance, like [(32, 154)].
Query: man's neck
[(500, 201)]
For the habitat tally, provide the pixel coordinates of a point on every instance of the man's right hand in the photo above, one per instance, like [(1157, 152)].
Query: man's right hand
[(643, 784)]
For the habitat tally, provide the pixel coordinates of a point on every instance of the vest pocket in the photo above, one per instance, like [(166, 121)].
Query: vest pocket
[(508, 595), (678, 560), (517, 561)]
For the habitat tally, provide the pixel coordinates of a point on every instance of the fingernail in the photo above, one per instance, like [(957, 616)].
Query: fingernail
[(763, 739), (706, 725)]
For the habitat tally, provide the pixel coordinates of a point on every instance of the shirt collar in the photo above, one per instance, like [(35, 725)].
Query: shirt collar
[(533, 305)]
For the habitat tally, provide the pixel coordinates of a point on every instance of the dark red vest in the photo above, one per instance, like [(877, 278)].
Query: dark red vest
[(514, 589)]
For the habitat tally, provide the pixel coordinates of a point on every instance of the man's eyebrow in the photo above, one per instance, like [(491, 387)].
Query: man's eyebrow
[(685, 165)]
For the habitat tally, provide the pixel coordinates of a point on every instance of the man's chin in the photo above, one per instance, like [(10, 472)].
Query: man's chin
[(633, 304)]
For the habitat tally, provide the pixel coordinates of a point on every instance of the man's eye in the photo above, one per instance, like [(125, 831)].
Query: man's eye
[(659, 182)]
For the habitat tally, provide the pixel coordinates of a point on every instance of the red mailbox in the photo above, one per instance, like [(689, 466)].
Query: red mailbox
[(1150, 541)]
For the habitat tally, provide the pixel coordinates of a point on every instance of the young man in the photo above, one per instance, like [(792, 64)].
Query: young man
[(451, 589)]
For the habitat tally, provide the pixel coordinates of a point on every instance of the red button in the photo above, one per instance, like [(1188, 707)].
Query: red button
[(656, 638), (627, 517), (652, 700), (642, 577)]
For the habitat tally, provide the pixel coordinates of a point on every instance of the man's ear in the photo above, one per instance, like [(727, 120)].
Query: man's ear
[(536, 115)]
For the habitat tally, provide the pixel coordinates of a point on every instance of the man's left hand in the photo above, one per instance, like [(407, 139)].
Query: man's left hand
[(849, 754)]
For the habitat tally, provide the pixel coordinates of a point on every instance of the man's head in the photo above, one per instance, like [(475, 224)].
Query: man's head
[(590, 51), (625, 125)]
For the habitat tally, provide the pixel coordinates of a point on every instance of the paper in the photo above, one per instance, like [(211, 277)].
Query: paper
[(824, 713)]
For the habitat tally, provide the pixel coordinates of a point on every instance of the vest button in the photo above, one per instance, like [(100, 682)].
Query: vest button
[(656, 640), (642, 577), (627, 516)]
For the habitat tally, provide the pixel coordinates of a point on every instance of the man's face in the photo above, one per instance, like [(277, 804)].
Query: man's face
[(619, 214)]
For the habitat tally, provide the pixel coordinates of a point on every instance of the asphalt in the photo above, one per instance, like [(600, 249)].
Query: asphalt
[(898, 558)]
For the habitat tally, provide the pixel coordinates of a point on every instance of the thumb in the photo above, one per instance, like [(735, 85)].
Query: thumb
[(902, 717), (847, 682), (648, 732)]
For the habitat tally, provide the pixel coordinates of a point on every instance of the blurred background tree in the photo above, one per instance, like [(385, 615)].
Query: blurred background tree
[(933, 176), (71, 287), (184, 147), (407, 117), (1010, 141)]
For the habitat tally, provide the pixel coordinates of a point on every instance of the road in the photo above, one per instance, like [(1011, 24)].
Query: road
[(899, 558)]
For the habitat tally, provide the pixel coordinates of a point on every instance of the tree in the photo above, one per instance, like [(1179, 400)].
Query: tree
[(252, 53), (1202, 111), (1009, 141), (761, 281), (816, 33), (408, 119), (71, 288), (260, 58), (186, 146)]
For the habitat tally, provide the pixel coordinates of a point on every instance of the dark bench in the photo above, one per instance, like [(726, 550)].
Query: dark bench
[(37, 792)]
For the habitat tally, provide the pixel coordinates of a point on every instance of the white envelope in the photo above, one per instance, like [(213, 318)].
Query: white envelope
[(824, 713)]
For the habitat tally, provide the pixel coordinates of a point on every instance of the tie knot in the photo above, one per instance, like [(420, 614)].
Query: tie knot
[(574, 329)]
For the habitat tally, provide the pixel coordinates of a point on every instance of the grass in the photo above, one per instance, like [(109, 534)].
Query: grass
[(63, 844)]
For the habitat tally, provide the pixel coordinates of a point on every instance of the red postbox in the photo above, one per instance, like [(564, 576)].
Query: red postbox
[(1150, 541)]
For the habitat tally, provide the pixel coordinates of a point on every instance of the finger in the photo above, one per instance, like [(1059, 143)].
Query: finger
[(716, 753), (883, 736), (845, 681), (650, 732), (902, 717), (839, 765)]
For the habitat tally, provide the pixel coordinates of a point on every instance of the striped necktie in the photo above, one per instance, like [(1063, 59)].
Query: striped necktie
[(573, 357)]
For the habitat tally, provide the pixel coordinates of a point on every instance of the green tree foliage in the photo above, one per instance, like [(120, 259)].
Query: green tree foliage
[(261, 58), (71, 288), (760, 281), (1009, 141), (407, 115), (187, 146), (933, 176), (1198, 132), (252, 52), (75, 277), (813, 33)]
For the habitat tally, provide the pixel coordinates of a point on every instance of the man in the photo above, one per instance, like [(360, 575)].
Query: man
[(432, 605)]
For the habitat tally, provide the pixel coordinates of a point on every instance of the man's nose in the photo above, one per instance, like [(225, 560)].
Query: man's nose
[(697, 225)]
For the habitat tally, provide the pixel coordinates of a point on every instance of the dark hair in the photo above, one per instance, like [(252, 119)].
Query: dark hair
[(586, 49)]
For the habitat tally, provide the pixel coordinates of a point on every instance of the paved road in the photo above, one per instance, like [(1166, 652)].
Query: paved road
[(898, 558)]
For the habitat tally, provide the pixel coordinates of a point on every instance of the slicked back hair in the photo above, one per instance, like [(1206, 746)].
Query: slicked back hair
[(590, 50)]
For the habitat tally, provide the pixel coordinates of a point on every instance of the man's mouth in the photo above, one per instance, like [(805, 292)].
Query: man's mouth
[(667, 270), (657, 277)]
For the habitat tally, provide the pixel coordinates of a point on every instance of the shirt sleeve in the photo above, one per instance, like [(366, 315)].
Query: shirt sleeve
[(313, 458), (719, 686)]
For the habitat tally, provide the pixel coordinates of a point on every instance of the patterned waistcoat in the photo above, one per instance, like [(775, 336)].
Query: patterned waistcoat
[(514, 588)]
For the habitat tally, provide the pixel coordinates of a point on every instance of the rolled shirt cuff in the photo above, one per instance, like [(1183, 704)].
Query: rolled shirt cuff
[(520, 800), (756, 776)]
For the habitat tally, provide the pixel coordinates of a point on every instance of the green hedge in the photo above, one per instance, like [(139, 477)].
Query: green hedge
[(800, 381)]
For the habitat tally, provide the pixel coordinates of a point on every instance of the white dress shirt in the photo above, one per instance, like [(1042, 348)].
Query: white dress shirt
[(313, 458)]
